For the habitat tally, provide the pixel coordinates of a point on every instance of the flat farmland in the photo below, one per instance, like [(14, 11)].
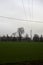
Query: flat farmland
[(11, 52)]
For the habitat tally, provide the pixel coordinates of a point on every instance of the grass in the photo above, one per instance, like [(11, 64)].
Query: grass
[(11, 52)]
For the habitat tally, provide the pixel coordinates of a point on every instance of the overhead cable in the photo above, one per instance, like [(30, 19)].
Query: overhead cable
[(21, 19)]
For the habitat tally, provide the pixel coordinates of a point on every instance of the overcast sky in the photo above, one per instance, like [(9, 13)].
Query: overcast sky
[(21, 10)]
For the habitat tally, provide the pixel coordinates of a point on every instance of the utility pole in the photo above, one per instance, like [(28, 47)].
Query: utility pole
[(31, 34), (32, 19)]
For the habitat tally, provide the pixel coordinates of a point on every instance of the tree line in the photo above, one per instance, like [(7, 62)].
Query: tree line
[(20, 32)]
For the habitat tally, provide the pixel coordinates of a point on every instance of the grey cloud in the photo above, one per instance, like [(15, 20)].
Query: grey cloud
[(14, 8)]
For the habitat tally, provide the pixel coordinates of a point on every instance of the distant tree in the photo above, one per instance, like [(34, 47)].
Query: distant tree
[(7, 38), (3, 38), (36, 37), (41, 38), (20, 32), (14, 34), (27, 38)]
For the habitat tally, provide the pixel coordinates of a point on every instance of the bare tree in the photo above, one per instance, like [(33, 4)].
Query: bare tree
[(20, 32), (14, 34)]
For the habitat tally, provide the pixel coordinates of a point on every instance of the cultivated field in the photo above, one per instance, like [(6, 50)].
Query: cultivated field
[(11, 52)]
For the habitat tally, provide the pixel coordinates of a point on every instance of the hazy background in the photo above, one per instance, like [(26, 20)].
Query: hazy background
[(15, 9)]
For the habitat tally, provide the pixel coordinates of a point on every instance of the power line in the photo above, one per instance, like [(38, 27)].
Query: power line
[(32, 9), (29, 9), (24, 9), (21, 19), (25, 15)]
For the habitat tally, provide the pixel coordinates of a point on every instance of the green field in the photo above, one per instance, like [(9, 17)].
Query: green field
[(20, 51)]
